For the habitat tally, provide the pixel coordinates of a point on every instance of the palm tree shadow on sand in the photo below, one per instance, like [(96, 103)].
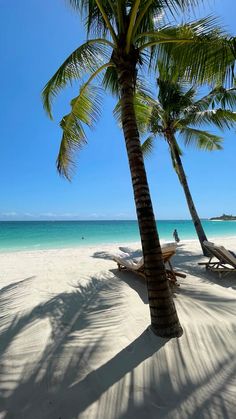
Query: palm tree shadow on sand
[(79, 373), (134, 281), (53, 379)]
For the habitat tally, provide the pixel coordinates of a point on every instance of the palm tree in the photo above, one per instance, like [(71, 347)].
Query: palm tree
[(178, 111), (122, 39)]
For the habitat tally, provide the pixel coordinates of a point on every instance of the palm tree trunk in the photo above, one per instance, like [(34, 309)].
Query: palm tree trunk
[(164, 319), (183, 180)]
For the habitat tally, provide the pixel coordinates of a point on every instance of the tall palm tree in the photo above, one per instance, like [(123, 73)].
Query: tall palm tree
[(122, 39), (178, 111)]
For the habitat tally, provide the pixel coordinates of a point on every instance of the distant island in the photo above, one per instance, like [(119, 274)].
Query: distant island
[(224, 217)]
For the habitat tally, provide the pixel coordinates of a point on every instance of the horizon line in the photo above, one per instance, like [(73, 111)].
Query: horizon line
[(99, 219)]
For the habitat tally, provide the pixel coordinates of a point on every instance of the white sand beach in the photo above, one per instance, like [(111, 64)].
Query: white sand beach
[(75, 341)]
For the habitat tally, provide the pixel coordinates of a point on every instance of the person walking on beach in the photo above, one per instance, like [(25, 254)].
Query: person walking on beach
[(176, 236)]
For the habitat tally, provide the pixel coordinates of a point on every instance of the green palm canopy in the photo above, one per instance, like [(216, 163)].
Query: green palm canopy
[(179, 113), (118, 29)]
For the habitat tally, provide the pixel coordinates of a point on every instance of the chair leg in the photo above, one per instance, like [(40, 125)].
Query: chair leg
[(171, 276)]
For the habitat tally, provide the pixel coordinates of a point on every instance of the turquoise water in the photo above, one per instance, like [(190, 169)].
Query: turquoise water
[(22, 235)]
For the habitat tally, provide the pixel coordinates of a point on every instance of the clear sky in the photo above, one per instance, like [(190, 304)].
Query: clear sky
[(36, 36)]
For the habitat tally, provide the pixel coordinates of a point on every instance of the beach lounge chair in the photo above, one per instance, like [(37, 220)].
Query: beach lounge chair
[(136, 264), (221, 260)]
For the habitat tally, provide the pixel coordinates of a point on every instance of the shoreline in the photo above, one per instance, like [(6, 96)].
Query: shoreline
[(108, 244), (221, 220)]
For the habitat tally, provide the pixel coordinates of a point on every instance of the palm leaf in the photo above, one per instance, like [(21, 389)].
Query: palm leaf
[(201, 50), (173, 97), (143, 105), (85, 59), (150, 10), (148, 146), (221, 118), (85, 109), (224, 97), (110, 81), (158, 119), (219, 96), (203, 140), (73, 139), (98, 19)]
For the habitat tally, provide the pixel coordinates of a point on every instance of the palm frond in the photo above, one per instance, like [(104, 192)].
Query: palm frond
[(200, 49), (98, 15), (158, 119), (173, 97), (152, 10), (134, 10), (148, 146), (180, 5), (110, 81), (221, 118), (85, 109), (224, 97), (142, 113), (85, 59), (203, 140), (72, 140), (219, 96)]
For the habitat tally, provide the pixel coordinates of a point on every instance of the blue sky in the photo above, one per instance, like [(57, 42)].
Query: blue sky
[(36, 36)]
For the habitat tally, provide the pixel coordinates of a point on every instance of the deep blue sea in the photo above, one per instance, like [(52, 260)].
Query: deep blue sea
[(24, 235)]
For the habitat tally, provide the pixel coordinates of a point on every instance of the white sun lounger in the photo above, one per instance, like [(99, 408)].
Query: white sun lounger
[(221, 260), (136, 264)]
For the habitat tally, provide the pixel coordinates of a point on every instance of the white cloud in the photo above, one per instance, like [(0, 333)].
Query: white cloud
[(9, 214), (48, 214), (24, 216)]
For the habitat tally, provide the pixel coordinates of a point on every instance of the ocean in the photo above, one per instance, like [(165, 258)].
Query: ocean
[(24, 235)]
